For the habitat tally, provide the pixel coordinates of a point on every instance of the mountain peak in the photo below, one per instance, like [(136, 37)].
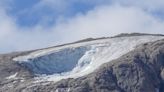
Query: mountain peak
[(95, 62)]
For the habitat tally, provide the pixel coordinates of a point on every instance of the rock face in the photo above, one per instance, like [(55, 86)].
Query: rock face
[(140, 70)]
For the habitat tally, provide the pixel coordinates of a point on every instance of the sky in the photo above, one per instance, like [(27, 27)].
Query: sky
[(32, 24)]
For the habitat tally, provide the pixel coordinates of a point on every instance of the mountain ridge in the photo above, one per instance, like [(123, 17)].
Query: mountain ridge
[(130, 71), (91, 39)]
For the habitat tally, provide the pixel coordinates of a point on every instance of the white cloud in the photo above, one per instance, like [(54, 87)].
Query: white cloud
[(146, 4), (102, 21), (150, 5), (107, 21)]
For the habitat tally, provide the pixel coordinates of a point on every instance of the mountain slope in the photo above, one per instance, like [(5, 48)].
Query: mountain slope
[(119, 64)]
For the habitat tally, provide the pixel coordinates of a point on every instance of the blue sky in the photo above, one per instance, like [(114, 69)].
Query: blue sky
[(42, 23), (31, 12)]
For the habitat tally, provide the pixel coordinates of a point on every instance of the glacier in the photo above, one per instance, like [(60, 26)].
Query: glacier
[(79, 59), (61, 61)]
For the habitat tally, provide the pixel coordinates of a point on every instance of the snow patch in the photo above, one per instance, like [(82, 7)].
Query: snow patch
[(157, 90), (12, 76), (62, 90)]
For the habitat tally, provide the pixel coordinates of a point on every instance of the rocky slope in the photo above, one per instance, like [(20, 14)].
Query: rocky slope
[(137, 70)]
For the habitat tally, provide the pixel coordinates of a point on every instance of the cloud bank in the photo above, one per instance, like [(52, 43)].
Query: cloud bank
[(104, 20)]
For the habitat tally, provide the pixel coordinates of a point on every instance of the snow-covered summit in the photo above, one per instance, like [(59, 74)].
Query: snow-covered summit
[(81, 58)]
